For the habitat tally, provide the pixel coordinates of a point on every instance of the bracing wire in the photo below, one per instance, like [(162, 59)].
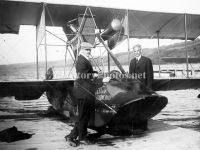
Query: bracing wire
[(65, 60), (52, 22), (49, 15)]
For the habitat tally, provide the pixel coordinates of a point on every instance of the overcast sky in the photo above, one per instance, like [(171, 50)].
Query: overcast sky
[(22, 48)]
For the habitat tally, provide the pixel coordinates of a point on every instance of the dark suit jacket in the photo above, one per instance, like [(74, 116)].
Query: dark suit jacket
[(84, 67), (142, 70), (84, 85)]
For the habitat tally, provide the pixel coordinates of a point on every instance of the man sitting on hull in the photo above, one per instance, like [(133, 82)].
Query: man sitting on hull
[(85, 95)]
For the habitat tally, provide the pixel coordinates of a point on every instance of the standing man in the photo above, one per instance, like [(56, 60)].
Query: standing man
[(141, 67), (85, 95)]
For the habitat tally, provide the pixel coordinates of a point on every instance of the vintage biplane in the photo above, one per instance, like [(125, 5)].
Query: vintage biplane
[(118, 102)]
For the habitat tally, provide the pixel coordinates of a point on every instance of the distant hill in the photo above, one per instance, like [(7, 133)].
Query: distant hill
[(174, 50), (59, 63), (177, 50)]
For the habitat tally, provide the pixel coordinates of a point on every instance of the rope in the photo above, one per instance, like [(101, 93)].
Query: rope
[(112, 109)]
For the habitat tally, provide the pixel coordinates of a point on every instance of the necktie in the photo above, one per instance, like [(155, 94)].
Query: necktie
[(137, 60)]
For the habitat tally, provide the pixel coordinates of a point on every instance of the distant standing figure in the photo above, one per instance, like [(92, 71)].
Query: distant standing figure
[(49, 74), (141, 67)]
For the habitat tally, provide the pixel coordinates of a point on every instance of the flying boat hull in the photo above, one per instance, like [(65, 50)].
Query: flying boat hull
[(117, 104)]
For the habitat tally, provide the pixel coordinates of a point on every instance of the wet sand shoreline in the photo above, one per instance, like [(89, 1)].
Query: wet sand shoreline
[(49, 130), (49, 133)]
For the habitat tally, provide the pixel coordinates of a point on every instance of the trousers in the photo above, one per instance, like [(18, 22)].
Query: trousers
[(86, 111)]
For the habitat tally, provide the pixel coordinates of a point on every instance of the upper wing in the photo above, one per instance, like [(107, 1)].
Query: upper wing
[(142, 24)]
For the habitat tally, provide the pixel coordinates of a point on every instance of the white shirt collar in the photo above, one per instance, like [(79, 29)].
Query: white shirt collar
[(84, 55), (138, 58)]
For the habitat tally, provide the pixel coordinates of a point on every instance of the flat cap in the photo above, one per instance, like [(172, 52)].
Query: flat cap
[(86, 45)]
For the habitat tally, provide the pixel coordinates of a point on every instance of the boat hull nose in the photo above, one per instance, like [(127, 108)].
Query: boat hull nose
[(138, 111)]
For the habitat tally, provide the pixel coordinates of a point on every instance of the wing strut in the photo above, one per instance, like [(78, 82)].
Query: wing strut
[(186, 50), (40, 33), (110, 53), (158, 37)]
